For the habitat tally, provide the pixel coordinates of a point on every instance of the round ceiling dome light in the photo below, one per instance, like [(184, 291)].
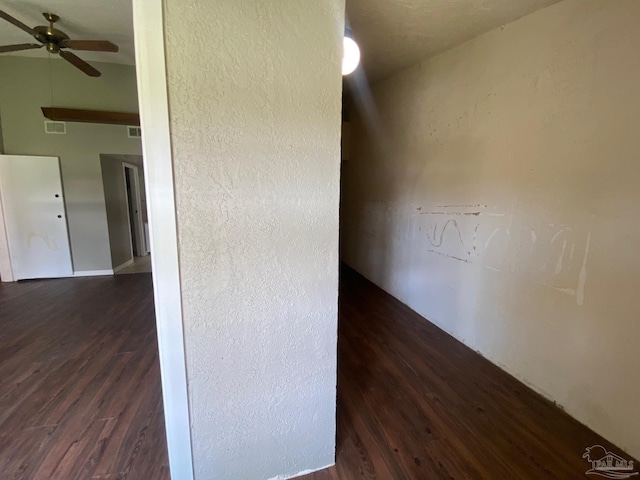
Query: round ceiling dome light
[(351, 54)]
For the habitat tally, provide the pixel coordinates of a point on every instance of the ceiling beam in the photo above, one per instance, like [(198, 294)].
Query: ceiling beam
[(90, 116)]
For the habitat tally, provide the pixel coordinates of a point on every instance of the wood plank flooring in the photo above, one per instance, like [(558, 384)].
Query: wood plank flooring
[(414, 403), (80, 394)]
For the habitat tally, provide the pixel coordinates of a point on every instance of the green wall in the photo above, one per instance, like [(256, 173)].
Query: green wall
[(30, 83)]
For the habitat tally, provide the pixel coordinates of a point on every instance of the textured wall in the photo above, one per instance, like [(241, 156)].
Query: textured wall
[(30, 83), (254, 96), (498, 196)]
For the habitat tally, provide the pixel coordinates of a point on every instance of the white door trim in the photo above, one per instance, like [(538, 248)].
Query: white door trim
[(126, 200), (140, 242), (6, 271), (156, 145)]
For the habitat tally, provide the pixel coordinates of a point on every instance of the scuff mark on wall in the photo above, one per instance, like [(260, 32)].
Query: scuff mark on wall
[(449, 256), (467, 234), (578, 291), (582, 277), (474, 205), (558, 233), (475, 238), (568, 291), (49, 242), (558, 268), (450, 213), (486, 244), (444, 228)]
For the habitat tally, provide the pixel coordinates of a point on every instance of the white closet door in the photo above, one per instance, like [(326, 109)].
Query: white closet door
[(35, 217)]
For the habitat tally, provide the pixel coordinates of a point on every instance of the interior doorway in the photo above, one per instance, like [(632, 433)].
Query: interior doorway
[(126, 208), (134, 210)]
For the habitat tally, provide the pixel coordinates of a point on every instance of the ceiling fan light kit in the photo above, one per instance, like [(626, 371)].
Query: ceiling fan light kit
[(56, 42)]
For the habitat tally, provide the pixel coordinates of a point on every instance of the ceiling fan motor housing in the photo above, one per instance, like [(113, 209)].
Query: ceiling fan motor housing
[(51, 37)]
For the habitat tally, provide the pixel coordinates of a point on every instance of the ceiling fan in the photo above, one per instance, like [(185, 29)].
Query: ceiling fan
[(57, 41)]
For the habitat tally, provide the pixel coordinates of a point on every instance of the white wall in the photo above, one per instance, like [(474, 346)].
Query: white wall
[(254, 96), (30, 83), (498, 195)]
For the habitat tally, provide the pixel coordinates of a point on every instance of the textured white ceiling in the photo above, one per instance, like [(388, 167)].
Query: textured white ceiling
[(80, 19), (393, 34)]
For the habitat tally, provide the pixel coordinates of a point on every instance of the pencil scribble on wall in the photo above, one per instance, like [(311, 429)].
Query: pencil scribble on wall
[(465, 232)]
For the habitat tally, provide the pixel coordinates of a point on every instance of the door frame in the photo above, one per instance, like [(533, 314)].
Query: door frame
[(6, 270), (148, 26), (148, 23), (137, 220)]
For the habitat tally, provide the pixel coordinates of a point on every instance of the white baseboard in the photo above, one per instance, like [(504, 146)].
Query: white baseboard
[(92, 273), (124, 265)]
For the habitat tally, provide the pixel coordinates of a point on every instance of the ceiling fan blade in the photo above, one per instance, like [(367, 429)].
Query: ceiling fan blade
[(17, 48), (18, 24), (79, 63), (91, 45)]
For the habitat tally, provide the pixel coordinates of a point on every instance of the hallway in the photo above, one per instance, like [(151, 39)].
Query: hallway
[(139, 265), (80, 393), (414, 403)]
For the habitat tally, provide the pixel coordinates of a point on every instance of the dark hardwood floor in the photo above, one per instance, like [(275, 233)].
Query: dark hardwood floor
[(414, 403), (80, 393)]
